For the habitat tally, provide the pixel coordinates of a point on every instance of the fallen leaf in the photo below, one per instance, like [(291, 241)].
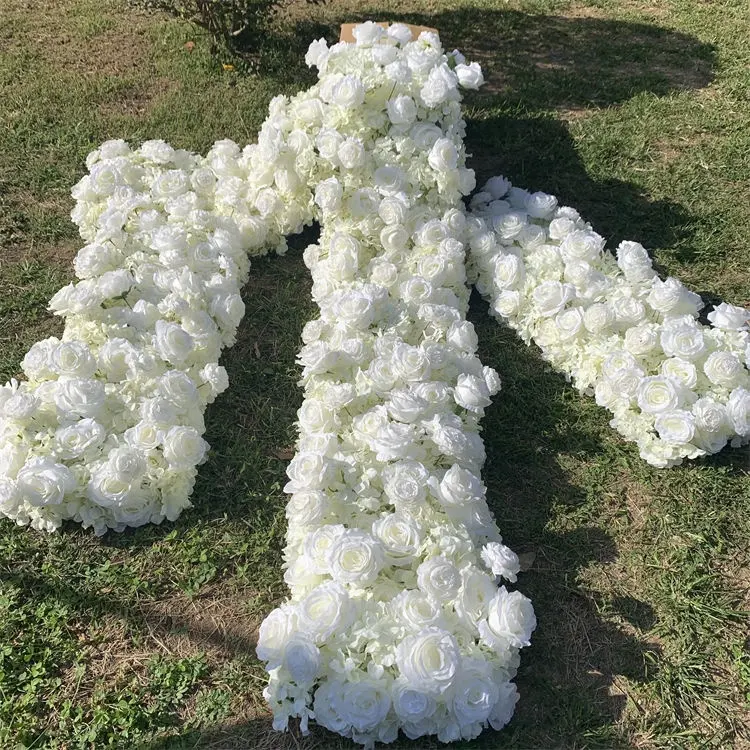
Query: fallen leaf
[(227, 67), (284, 454), (189, 46), (256, 349)]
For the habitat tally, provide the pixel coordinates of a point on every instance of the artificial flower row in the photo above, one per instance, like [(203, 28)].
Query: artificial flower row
[(395, 620), (107, 428), (676, 387)]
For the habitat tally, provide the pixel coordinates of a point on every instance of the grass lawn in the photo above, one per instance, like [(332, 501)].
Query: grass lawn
[(636, 112)]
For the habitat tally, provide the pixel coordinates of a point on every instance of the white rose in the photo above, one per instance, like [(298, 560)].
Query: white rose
[(569, 323), (215, 375), (356, 558), (680, 369), (724, 369), (326, 610), (410, 704), (477, 590), (475, 693), (72, 359), (670, 297), (228, 309), (469, 76), (37, 361), (144, 436), (497, 187), (83, 397), (328, 195), (20, 406), (676, 426), (43, 482), (463, 336), (405, 406), (392, 210), (177, 387), (507, 304), (710, 415), (405, 484), (439, 86), (73, 441), (416, 610), (510, 622), (94, 260), (308, 471), (351, 153), (684, 340), (9, 497), (173, 343), (317, 54), (410, 363), (439, 578), (502, 711), (642, 339), (402, 110), (184, 447), (541, 205), (582, 244), (429, 661), (628, 310), (274, 634), (657, 395), (501, 560), (635, 262), (307, 508), (108, 490), (510, 225), (598, 317), (400, 537), (443, 156), (349, 92), (508, 271), (471, 393), (729, 317), (738, 410), (460, 487), (389, 180), (551, 297), (301, 659), (364, 705)]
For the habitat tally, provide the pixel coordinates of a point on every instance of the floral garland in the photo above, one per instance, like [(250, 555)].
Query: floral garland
[(395, 620), (677, 388), (106, 430)]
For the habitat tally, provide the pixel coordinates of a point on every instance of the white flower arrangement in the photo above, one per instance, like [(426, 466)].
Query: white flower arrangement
[(677, 388), (106, 430), (395, 620)]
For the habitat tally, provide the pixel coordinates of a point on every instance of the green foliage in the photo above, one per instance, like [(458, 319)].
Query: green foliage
[(239, 27)]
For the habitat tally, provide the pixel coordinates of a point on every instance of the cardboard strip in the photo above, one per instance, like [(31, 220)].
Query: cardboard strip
[(348, 36)]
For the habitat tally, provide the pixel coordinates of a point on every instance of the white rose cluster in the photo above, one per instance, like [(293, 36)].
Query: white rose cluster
[(396, 619), (106, 429), (676, 387)]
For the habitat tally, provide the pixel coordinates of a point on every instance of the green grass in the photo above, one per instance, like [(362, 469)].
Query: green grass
[(634, 112)]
